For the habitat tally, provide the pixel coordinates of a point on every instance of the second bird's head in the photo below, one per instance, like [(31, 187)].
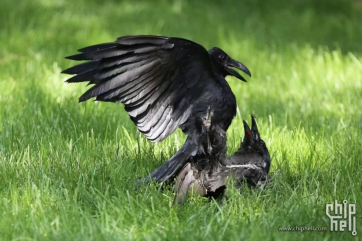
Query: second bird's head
[(253, 148), (225, 64)]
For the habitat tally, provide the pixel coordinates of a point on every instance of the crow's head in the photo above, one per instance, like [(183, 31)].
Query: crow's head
[(225, 64), (253, 148)]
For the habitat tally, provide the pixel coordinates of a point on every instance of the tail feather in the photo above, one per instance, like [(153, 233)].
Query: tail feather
[(170, 168)]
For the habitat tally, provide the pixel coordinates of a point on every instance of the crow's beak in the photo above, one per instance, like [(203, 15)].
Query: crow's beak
[(247, 129), (254, 127), (231, 63)]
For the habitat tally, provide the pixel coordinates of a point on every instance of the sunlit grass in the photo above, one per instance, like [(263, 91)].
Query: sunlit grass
[(67, 170)]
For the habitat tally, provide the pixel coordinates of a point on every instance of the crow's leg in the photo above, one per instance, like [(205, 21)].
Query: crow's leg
[(206, 122)]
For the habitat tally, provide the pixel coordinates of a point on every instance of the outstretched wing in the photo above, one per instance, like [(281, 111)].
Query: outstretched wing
[(157, 78)]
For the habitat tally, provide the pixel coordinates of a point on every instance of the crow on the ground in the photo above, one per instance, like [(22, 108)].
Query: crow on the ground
[(208, 175), (164, 83)]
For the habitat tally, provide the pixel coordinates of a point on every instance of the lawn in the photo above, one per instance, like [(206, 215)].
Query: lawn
[(67, 170)]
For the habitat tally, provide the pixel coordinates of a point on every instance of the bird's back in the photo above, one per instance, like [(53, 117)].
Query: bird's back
[(217, 96)]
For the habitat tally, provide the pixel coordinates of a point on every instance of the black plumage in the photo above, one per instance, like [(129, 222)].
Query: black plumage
[(164, 83), (208, 175)]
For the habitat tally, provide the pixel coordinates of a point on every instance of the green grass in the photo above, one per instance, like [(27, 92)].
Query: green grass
[(67, 170)]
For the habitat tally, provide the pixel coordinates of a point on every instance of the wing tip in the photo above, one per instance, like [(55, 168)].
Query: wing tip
[(97, 47), (77, 57), (82, 99)]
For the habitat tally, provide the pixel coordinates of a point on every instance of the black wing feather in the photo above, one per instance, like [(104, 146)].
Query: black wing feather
[(151, 75), (97, 47)]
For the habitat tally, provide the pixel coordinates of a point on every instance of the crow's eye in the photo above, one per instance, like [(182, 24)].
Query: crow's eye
[(221, 57)]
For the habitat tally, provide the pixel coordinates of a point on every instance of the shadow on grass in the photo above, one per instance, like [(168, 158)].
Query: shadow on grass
[(271, 25), (91, 174)]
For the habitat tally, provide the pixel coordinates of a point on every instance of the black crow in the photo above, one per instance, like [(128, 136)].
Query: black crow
[(208, 175), (164, 83)]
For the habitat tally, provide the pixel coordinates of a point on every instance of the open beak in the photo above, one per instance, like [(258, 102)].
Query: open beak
[(231, 63), (254, 127), (247, 130)]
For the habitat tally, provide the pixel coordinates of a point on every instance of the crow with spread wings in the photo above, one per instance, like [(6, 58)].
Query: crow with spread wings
[(164, 83)]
